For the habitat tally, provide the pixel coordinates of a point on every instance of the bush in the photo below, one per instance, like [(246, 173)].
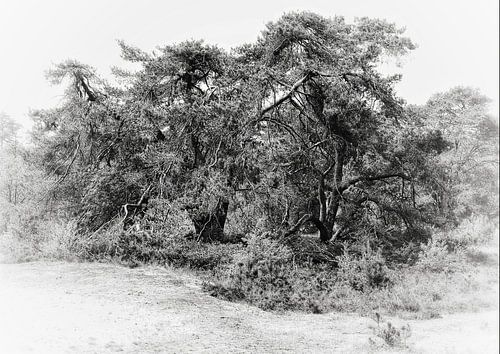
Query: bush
[(390, 334), (166, 219), (204, 256), (259, 274), (50, 239), (422, 294), (265, 274), (134, 247), (364, 272), (436, 257), (471, 232)]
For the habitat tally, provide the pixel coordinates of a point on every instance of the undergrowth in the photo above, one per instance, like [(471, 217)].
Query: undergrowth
[(271, 275), (442, 280)]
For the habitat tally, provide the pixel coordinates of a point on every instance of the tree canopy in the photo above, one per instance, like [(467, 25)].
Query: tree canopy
[(299, 129)]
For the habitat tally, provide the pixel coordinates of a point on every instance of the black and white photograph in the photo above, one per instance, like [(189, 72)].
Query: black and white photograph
[(249, 176)]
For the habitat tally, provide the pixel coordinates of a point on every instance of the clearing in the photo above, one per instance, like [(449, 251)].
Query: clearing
[(53, 307)]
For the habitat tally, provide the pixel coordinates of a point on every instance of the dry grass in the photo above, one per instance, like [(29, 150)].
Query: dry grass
[(444, 280)]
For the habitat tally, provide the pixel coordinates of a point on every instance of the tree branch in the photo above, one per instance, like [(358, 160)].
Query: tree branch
[(216, 158), (70, 164), (288, 95), (346, 184), (297, 225)]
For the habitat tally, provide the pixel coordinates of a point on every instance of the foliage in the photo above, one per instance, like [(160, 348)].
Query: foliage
[(9, 129), (264, 275), (468, 183), (365, 272), (31, 224), (299, 129), (52, 239), (298, 126), (135, 247), (143, 247), (435, 257), (448, 251), (470, 232), (327, 121)]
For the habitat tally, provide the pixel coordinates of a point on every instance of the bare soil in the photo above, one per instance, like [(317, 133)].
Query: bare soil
[(59, 307)]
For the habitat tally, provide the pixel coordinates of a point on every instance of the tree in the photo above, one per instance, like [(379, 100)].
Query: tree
[(191, 94), (299, 127), (174, 129), (21, 185), (13, 169), (469, 183), (328, 119), (77, 145), (9, 129)]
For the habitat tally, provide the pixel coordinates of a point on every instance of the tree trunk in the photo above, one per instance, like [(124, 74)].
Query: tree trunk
[(321, 223), (329, 207), (325, 230), (209, 226)]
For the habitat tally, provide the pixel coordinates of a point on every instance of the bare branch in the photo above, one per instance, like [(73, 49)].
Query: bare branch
[(288, 95), (299, 223), (216, 158), (70, 164)]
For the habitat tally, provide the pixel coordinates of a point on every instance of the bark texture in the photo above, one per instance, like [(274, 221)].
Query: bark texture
[(209, 226)]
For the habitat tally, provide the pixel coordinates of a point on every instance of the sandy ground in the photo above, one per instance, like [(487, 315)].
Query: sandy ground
[(57, 307)]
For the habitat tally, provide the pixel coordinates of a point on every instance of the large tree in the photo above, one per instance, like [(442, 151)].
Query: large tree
[(329, 122), (300, 125), (193, 96), (172, 130)]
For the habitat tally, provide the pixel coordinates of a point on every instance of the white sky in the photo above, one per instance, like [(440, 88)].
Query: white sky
[(457, 39)]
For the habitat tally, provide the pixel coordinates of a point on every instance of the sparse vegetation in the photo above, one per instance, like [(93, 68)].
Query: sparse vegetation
[(391, 335)]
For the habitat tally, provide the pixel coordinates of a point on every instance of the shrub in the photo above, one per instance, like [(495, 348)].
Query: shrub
[(14, 249), (101, 244), (50, 239), (57, 239), (141, 246), (166, 219), (364, 272), (265, 274), (391, 335), (471, 232), (436, 257), (192, 254), (259, 274), (477, 256)]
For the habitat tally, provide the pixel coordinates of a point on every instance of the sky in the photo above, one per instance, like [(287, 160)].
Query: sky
[(457, 40)]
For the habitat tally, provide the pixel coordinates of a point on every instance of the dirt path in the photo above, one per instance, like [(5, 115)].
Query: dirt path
[(97, 308)]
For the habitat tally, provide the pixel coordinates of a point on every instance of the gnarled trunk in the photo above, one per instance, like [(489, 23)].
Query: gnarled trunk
[(329, 206), (324, 229), (209, 226)]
